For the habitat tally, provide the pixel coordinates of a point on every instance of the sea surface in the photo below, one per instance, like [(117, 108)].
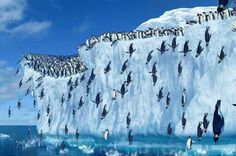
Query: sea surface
[(33, 145)]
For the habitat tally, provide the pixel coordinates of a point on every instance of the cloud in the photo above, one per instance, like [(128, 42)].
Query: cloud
[(12, 13), (83, 26)]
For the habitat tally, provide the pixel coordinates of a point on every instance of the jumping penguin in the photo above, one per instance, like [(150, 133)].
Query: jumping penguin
[(199, 131)]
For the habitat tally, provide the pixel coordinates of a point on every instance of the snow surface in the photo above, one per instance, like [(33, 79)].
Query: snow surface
[(204, 79)]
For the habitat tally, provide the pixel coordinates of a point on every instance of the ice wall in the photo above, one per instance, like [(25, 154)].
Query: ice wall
[(203, 78)]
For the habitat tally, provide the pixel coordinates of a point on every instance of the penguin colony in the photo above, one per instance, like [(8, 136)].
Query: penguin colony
[(65, 66)]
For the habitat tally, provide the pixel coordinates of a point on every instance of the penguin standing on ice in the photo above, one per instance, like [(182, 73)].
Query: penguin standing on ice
[(104, 112), (108, 68), (207, 36), (205, 122), (183, 98), (149, 57), (130, 137), (77, 134), (222, 55), (160, 94), (186, 48), (131, 50), (169, 129), (189, 143), (199, 49), (124, 67), (174, 44), (9, 112), (183, 121), (163, 49), (199, 131), (180, 68), (106, 134), (168, 100), (81, 102), (66, 129), (128, 120), (218, 122), (98, 99)]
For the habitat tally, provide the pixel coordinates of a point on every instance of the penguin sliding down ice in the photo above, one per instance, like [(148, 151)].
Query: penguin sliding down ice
[(104, 112), (169, 129), (183, 98), (180, 68), (160, 94), (108, 68), (174, 45), (27, 92), (130, 137), (154, 69), (122, 90), (71, 88), (20, 83), (168, 100), (82, 77), (87, 90), (81, 102), (106, 134), (29, 80), (222, 55), (149, 57), (19, 105), (186, 48), (76, 82), (9, 112), (199, 49), (41, 94), (48, 109), (62, 99), (98, 99), (124, 67), (91, 78), (205, 122), (207, 36), (74, 112), (69, 96), (128, 120), (154, 79), (199, 131), (129, 79), (69, 82), (163, 49), (218, 122), (131, 50), (17, 71), (183, 121), (38, 115)]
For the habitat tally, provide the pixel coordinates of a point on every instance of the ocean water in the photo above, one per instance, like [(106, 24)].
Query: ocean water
[(88, 145)]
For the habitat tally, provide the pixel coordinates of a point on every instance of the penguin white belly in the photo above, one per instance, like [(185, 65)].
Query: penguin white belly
[(189, 144), (106, 135)]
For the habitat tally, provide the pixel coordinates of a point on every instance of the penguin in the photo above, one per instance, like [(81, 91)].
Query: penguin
[(41, 94), (63, 145), (66, 129), (168, 100), (71, 88), (154, 69), (130, 137), (180, 68), (123, 90), (108, 68), (20, 83), (183, 121), (174, 45), (27, 92), (199, 131), (149, 57), (207, 36), (69, 82), (186, 48), (74, 112), (76, 82), (91, 78), (106, 134), (169, 129), (104, 112), (218, 122), (160, 94), (17, 71), (39, 85), (189, 143), (49, 121), (205, 122), (128, 120), (183, 98), (154, 79), (62, 99), (77, 134), (163, 49), (38, 116), (222, 55), (81, 102), (19, 105), (69, 96), (131, 50), (9, 112), (129, 79), (199, 49), (48, 109), (114, 42), (114, 94), (34, 103), (124, 66), (98, 99), (87, 90), (29, 80), (82, 77), (39, 78)]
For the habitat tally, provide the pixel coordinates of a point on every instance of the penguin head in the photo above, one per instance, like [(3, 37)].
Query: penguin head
[(218, 103)]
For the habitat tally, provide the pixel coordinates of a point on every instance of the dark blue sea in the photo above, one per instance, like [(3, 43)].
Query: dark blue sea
[(32, 145)]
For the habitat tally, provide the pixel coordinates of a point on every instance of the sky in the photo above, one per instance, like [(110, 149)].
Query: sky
[(58, 27)]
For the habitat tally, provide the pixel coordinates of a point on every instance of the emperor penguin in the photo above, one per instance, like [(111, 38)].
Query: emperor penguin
[(106, 134)]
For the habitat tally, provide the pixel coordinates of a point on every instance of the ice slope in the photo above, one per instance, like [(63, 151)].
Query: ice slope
[(203, 78)]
